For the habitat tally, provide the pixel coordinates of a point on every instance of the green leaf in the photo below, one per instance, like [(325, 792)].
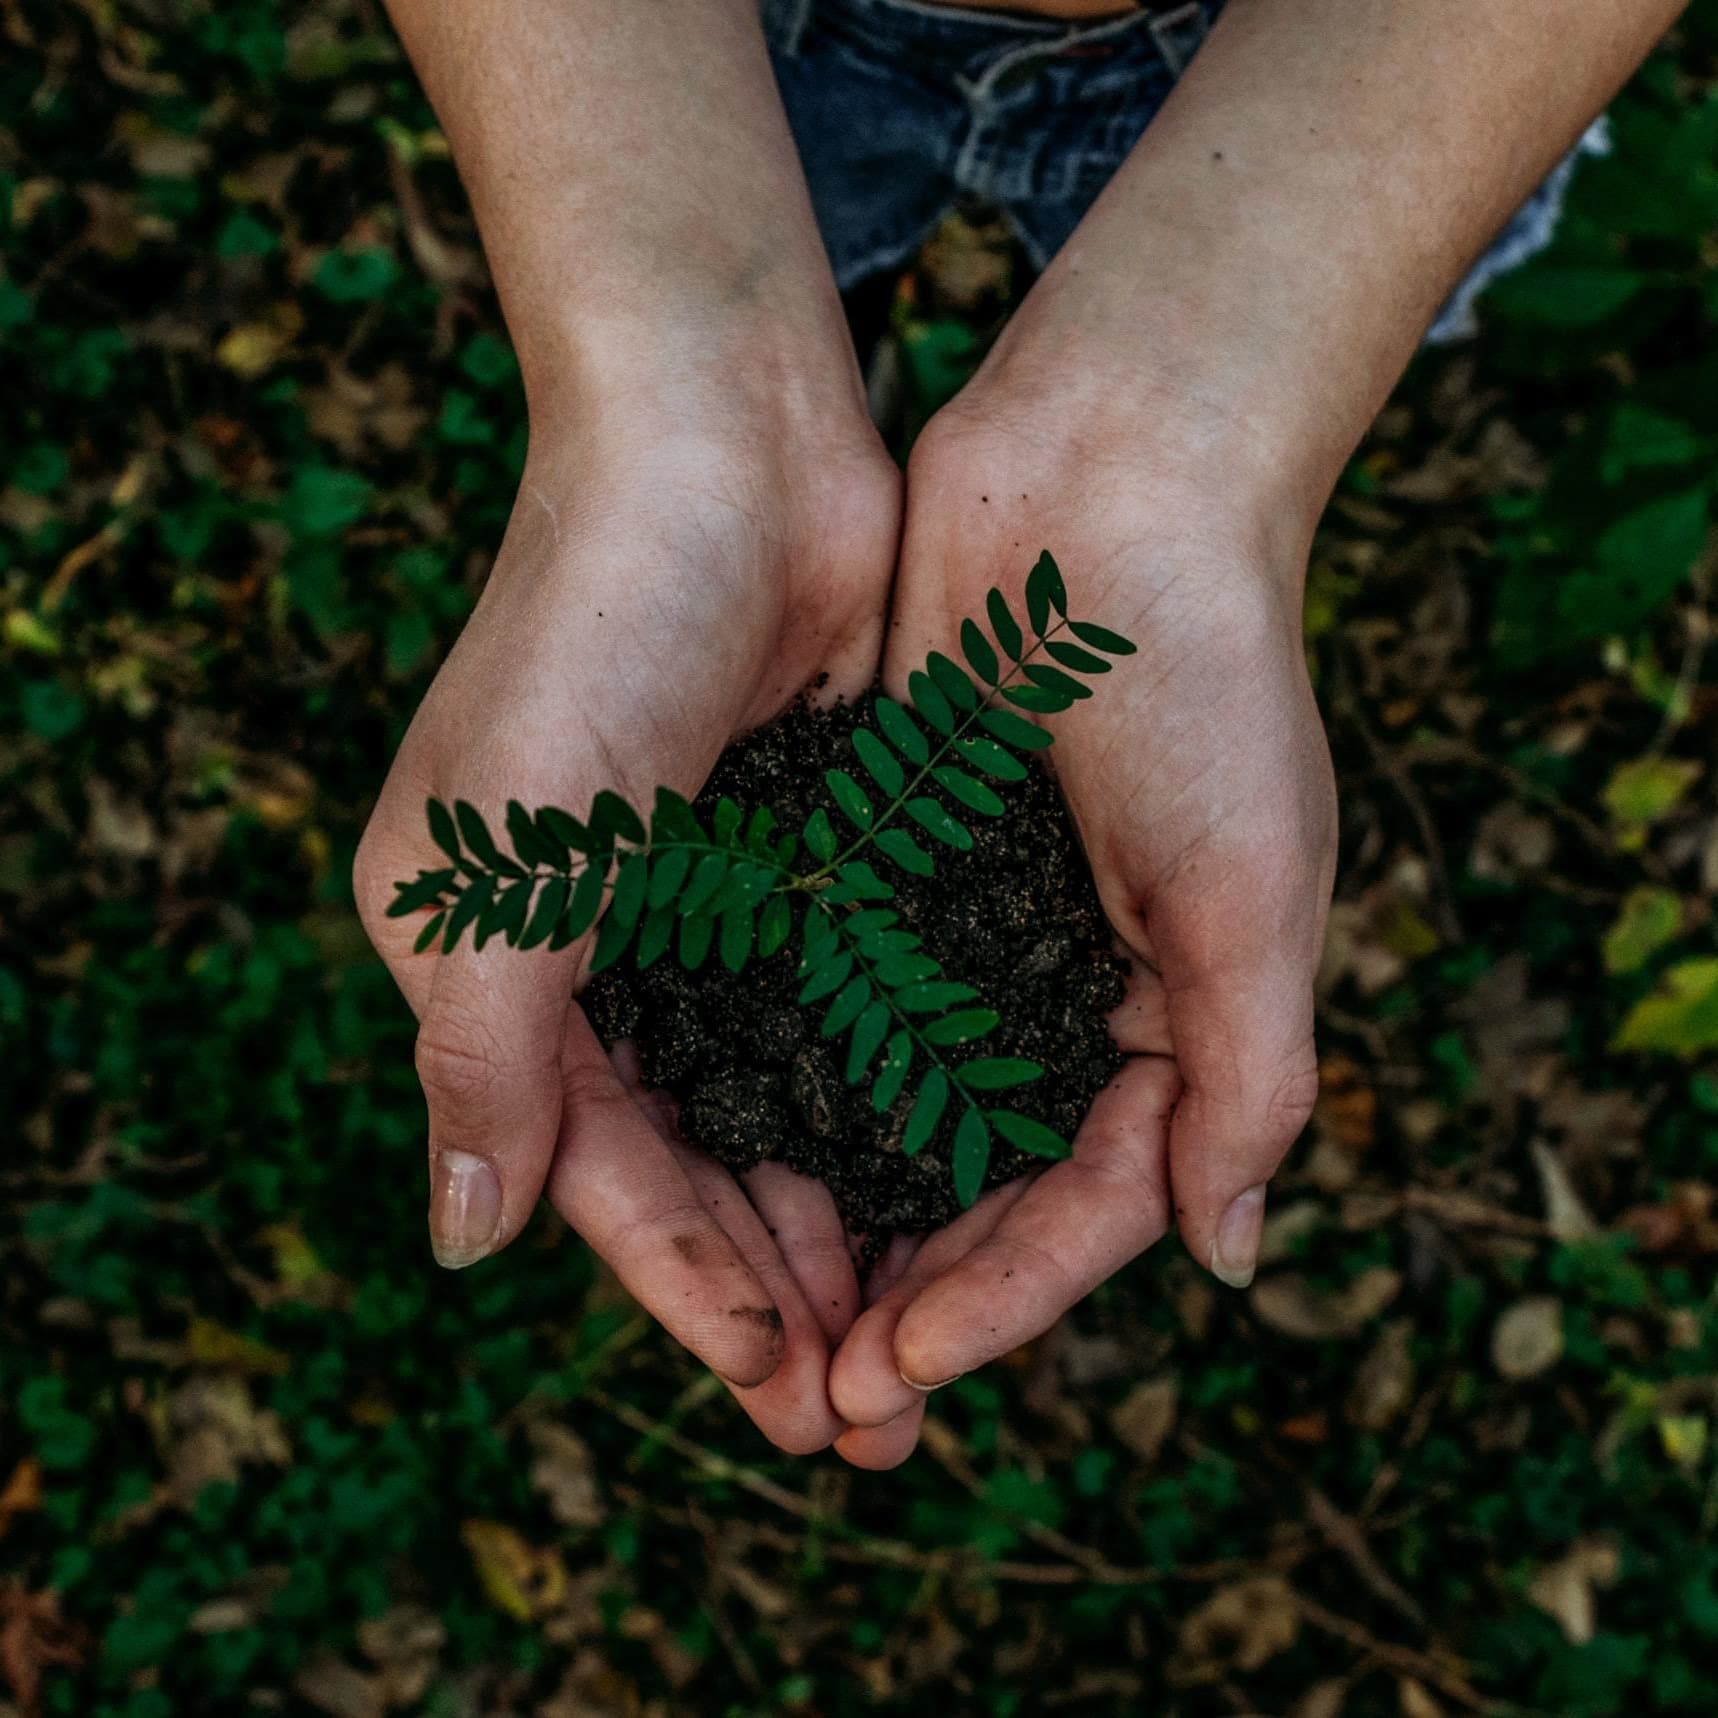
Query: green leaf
[(654, 936), (1650, 918), (428, 934), (667, 872), (1016, 731), (869, 1031), (583, 907), (897, 1060), (902, 732), (1054, 680), (551, 903), (908, 967), (558, 826), (1038, 699), (927, 1111), (774, 925), (819, 836), (929, 702), (697, 932), (936, 820), (729, 816), (1680, 1018), (1564, 296), (844, 1010), (466, 909), (478, 839), (1041, 585), (1648, 788), (952, 681), (527, 843), (1072, 656), (976, 649), (928, 997), (1004, 625), (322, 502), (423, 889), (898, 845), (881, 764), (961, 1028), (971, 792), (856, 881), (673, 819), (506, 918), (759, 828), (998, 1073), (993, 759), (850, 796), (1101, 638), (711, 873), (627, 901), (1025, 1134), (612, 937), (827, 978), (971, 1156), (442, 830), (353, 277), (612, 818), (738, 928)]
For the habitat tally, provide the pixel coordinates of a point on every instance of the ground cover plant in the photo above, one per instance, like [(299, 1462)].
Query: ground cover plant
[(745, 881), (1451, 1453)]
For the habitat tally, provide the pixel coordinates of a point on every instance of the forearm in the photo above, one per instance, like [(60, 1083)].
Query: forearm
[(638, 192), (1270, 255)]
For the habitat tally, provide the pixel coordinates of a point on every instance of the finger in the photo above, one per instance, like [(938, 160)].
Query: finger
[(387, 855), (791, 1407), (1244, 1044), (879, 1448), (865, 1384), (1076, 1225), (800, 1217), (1139, 1023), (617, 1182)]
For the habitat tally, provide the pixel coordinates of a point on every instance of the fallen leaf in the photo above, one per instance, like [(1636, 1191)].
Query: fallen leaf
[(522, 1579), (1145, 1417), (1528, 1338), (1680, 1017), (1564, 1590), (340, 1689), (22, 1493), (1649, 918), (566, 1475), (1241, 1627), (1288, 1303), (1566, 1216), (1384, 1381)]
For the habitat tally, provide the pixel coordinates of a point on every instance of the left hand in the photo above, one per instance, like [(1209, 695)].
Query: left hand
[(1201, 785)]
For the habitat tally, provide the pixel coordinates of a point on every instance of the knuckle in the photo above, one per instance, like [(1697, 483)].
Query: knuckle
[(457, 1061), (1292, 1101)]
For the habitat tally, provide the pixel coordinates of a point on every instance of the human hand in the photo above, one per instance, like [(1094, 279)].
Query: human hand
[(664, 586), (1201, 785)]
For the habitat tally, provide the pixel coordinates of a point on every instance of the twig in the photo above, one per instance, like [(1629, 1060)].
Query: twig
[(1398, 1658)]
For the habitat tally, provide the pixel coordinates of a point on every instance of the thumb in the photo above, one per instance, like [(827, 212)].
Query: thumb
[(490, 1028), (1244, 1047)]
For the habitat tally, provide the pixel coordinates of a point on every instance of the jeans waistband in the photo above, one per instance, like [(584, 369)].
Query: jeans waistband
[(919, 30)]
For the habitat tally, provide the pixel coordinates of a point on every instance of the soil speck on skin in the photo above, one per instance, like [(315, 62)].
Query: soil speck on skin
[(1016, 917)]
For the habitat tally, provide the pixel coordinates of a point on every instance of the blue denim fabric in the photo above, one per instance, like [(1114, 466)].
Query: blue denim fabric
[(903, 109)]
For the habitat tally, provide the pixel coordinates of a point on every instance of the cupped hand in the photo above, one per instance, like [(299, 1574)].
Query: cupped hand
[(659, 591), (1200, 782)]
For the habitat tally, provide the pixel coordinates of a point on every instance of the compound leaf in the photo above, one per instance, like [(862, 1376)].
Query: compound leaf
[(1004, 625), (976, 649), (1101, 638), (850, 796), (898, 845), (930, 703), (927, 1111), (774, 925), (998, 1073), (902, 732), (869, 1031), (1025, 1134), (551, 903), (897, 1060), (971, 792), (881, 764), (442, 830), (961, 1028), (952, 681), (935, 818), (1016, 731), (971, 1156)]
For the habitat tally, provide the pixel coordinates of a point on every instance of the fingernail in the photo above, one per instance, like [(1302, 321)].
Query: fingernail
[(1235, 1252), (465, 1209), (925, 1389)]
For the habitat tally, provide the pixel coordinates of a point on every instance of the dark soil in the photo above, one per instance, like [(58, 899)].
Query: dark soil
[(1017, 917)]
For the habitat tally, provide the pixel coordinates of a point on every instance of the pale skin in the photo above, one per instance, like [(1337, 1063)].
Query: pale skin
[(1168, 411)]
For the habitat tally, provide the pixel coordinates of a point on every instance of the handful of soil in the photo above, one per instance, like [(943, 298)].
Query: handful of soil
[(1016, 917)]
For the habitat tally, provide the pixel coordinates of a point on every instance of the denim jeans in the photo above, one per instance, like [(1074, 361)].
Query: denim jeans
[(903, 109)]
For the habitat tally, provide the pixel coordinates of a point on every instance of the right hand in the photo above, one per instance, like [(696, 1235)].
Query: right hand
[(671, 577)]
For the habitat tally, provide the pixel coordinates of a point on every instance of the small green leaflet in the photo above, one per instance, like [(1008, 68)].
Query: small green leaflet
[(971, 1156)]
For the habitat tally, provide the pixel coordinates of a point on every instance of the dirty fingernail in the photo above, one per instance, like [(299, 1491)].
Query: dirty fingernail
[(1235, 1252), (465, 1209), (925, 1389)]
